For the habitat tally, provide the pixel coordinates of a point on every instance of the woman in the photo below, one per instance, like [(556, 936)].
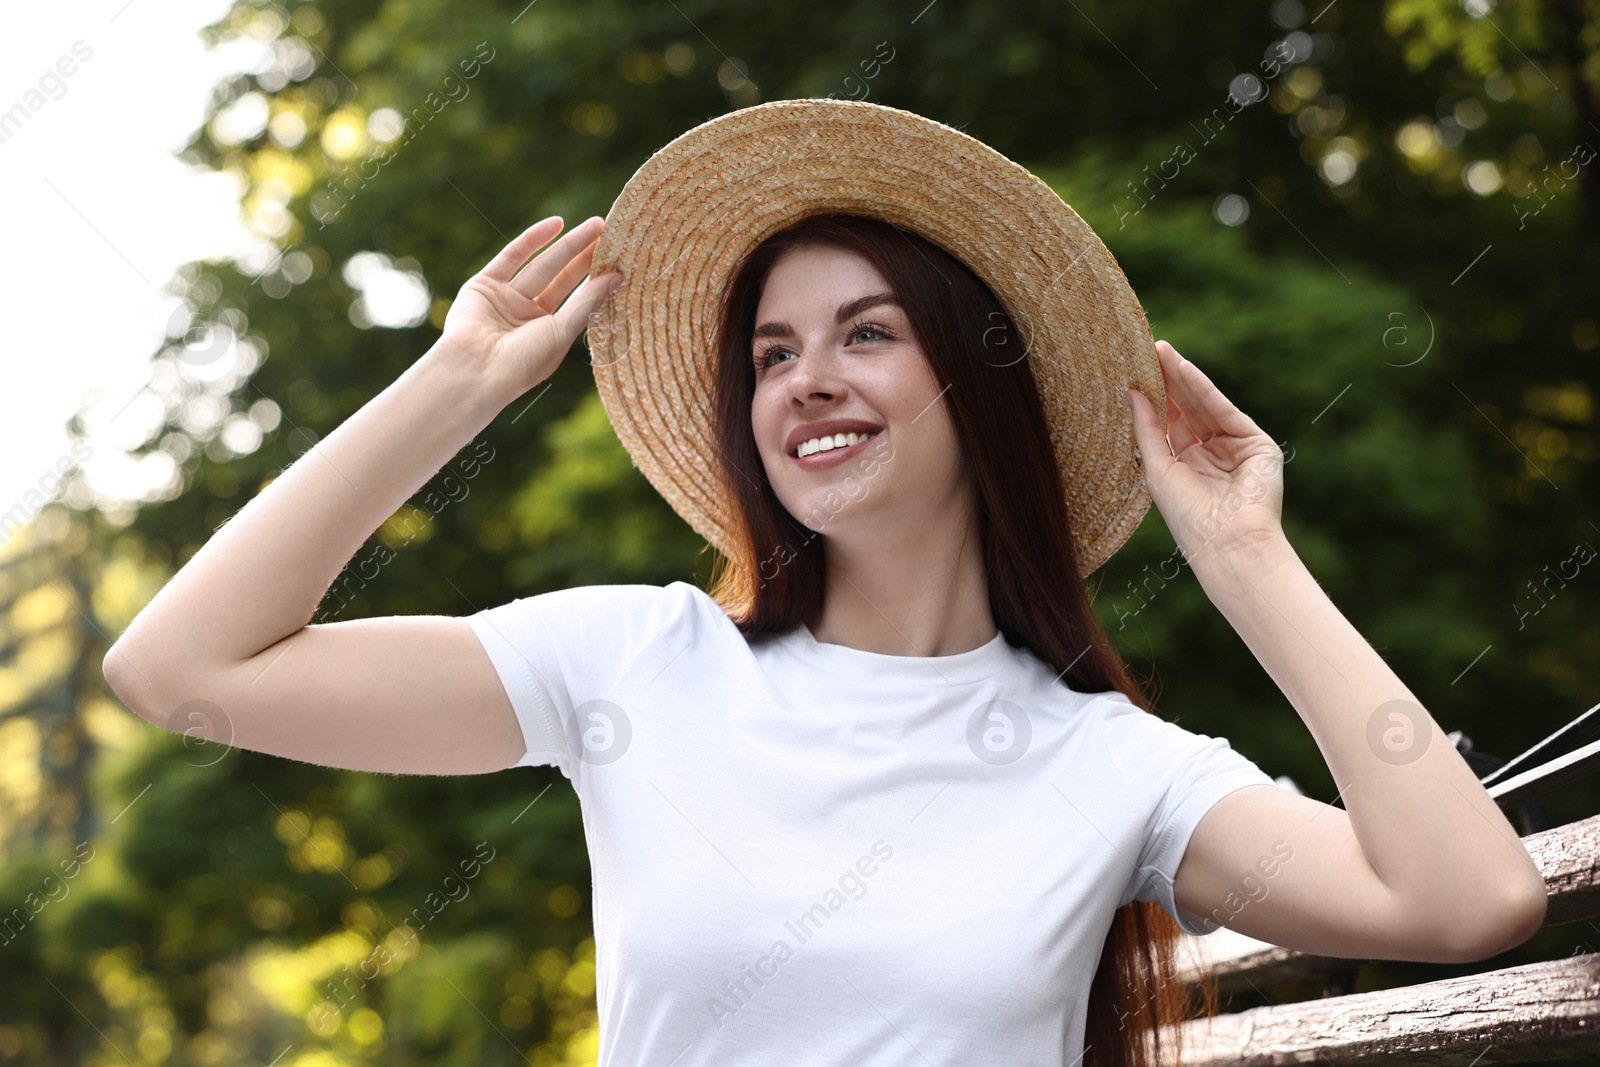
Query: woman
[(887, 794)]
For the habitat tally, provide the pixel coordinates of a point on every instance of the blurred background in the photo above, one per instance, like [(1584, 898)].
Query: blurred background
[(229, 225)]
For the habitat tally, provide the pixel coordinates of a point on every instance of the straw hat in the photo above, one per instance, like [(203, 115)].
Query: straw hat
[(689, 215)]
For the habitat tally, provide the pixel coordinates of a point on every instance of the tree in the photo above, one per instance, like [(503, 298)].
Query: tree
[(1293, 202)]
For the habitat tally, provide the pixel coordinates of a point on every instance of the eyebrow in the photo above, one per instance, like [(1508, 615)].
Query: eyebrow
[(846, 312)]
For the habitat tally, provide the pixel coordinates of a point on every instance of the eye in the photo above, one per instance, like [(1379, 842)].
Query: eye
[(862, 328), (767, 355)]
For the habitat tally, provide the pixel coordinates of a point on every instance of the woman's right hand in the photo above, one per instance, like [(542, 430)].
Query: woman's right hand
[(515, 324)]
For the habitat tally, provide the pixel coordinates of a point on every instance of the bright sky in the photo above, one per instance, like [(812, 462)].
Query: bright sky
[(99, 214)]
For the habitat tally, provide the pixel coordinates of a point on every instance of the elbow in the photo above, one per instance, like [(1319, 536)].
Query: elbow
[(130, 682), (1527, 913), (115, 670), (1520, 913), (161, 694)]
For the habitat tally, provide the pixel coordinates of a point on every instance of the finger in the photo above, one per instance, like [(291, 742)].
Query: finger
[(574, 314), (1224, 414), (1206, 409), (543, 268), (1147, 433), (559, 289), (1182, 391), (1184, 408), (1179, 432), (513, 255)]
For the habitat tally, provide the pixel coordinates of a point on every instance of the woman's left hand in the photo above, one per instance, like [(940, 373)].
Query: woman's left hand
[(1219, 485)]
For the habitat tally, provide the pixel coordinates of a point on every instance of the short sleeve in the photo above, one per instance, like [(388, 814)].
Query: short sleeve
[(555, 651), (1177, 775)]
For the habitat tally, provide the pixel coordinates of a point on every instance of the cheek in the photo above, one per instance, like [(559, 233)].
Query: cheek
[(929, 452), (765, 423)]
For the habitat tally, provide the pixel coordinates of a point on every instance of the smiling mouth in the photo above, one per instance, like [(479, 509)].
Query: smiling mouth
[(832, 443), (839, 455)]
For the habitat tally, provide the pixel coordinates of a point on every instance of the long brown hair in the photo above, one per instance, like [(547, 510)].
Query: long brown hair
[(772, 579)]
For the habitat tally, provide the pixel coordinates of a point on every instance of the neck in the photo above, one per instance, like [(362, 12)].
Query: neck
[(921, 593)]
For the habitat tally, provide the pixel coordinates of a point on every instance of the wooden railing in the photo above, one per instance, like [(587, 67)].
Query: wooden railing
[(1538, 1011)]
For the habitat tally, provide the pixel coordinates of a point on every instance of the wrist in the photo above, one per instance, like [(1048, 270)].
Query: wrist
[(1251, 556), (463, 378)]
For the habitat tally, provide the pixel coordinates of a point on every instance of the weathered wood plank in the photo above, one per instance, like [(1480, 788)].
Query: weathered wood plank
[(1240, 962), (1568, 857), (1539, 1011)]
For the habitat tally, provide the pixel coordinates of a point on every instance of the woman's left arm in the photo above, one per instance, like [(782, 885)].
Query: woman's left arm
[(1420, 864)]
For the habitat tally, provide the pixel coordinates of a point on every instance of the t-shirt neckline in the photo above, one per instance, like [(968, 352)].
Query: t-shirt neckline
[(985, 661)]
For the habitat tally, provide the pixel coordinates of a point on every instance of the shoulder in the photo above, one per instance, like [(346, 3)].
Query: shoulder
[(1140, 743), (628, 611), (590, 635), (603, 622), (612, 604), (1120, 717)]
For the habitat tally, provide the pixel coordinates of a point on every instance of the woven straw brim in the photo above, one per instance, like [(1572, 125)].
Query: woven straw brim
[(691, 213)]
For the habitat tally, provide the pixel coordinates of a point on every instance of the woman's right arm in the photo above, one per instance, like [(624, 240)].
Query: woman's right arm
[(404, 694)]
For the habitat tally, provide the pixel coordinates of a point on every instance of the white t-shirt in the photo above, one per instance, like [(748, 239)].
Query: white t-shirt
[(803, 853)]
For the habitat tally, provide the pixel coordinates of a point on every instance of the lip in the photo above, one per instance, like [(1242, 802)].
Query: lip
[(827, 428), (832, 457)]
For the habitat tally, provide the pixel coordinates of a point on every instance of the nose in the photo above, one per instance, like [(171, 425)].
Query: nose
[(814, 377)]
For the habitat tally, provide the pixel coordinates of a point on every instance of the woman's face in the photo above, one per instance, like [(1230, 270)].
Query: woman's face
[(831, 358)]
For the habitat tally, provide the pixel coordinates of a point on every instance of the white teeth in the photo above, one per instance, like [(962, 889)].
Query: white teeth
[(828, 444)]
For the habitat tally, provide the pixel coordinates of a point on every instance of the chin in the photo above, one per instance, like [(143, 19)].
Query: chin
[(829, 512)]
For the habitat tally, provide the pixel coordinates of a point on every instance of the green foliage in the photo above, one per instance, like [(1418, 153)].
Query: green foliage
[(1487, 38), (1318, 356), (232, 888), (590, 516)]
